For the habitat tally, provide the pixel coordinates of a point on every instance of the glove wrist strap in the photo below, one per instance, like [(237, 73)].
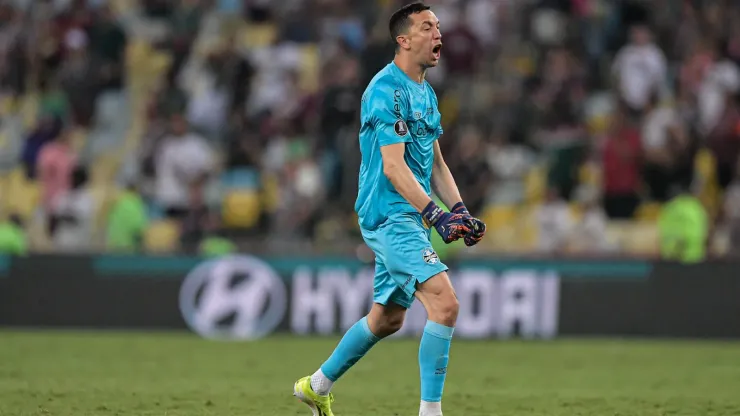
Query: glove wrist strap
[(459, 208), (431, 214)]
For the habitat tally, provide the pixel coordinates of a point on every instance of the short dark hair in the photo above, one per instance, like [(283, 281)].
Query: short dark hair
[(399, 22)]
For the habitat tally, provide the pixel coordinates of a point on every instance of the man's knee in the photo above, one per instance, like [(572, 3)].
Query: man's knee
[(447, 308), (390, 324), (386, 320), (439, 299)]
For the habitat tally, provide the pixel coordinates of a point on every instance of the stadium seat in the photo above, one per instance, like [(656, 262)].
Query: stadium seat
[(240, 178), (257, 35), (499, 216), (648, 211), (705, 174), (270, 193), (241, 209), (23, 195), (4, 191), (576, 211), (310, 68), (29, 110), (162, 237), (535, 184)]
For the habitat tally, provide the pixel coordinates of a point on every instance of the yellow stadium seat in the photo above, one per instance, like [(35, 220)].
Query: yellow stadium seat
[(704, 163), (449, 106), (535, 185), (4, 191), (640, 239), (162, 237), (241, 209), (499, 216), (589, 174), (29, 110), (23, 195), (310, 68), (648, 211), (257, 36), (576, 211), (271, 193)]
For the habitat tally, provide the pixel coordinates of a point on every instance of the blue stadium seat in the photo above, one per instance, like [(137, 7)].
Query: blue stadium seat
[(240, 178)]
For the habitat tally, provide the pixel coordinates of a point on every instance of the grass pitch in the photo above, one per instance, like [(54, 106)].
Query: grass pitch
[(142, 374)]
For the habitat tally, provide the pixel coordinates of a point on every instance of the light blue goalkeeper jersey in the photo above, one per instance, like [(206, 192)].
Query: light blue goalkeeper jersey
[(395, 109)]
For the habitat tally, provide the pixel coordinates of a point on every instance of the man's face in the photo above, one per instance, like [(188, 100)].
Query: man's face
[(179, 125), (424, 38), (640, 35)]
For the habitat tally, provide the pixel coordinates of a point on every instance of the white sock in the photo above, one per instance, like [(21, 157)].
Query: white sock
[(320, 384), (430, 408)]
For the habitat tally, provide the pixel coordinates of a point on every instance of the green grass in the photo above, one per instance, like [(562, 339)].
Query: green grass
[(127, 374)]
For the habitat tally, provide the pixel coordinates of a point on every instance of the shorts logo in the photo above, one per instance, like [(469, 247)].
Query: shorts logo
[(400, 128), (430, 256)]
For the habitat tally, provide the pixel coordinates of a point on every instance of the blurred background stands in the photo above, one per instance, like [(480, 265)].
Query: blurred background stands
[(582, 127)]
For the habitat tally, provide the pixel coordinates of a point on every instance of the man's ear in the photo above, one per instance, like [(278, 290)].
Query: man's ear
[(403, 41)]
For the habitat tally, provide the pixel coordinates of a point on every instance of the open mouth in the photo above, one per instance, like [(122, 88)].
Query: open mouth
[(436, 50)]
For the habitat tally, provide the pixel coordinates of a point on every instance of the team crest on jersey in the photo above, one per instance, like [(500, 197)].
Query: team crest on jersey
[(417, 114), (401, 128), (430, 256)]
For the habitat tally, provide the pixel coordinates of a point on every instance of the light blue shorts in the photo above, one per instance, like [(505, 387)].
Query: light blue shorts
[(403, 257)]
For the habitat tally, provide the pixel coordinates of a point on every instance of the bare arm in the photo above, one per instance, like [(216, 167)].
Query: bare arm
[(442, 181), (399, 174)]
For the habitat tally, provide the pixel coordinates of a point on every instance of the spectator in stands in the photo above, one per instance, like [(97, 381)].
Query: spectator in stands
[(469, 165), (56, 163), (80, 77), (47, 129), (127, 222), (108, 48), (245, 147), (590, 232), (13, 40), (376, 54), (13, 239), (665, 144), (724, 142), (301, 193), (171, 99), (234, 71), (73, 216), (730, 218), (640, 69), (339, 115), (462, 50), (554, 224), (184, 19), (622, 161), (561, 134), (182, 157), (53, 100), (684, 228), (721, 78), (199, 220)]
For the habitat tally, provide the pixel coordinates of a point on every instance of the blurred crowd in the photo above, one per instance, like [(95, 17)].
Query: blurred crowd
[(571, 126)]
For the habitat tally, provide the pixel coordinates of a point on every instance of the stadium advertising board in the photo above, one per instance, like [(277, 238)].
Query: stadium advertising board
[(243, 297), (247, 297)]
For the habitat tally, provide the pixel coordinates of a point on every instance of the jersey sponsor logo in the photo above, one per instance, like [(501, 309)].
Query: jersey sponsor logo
[(400, 128), (430, 256), (397, 103)]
